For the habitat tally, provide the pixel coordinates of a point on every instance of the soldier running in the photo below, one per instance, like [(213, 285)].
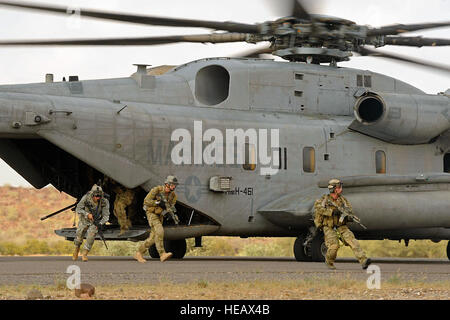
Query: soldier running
[(124, 198), (328, 216), (86, 209), (155, 205)]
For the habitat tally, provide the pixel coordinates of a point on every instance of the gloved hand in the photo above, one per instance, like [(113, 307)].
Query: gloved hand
[(162, 205)]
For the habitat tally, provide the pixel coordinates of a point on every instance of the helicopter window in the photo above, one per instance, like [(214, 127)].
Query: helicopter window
[(447, 163), (212, 85), (367, 81), (309, 159), (298, 76), (359, 80), (380, 161), (250, 157), (298, 93)]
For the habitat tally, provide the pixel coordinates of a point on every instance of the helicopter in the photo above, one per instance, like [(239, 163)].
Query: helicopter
[(252, 141)]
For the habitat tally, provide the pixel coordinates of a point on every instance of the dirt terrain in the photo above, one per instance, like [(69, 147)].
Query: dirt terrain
[(226, 278)]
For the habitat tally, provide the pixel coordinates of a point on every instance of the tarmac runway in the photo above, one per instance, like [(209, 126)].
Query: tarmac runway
[(45, 270)]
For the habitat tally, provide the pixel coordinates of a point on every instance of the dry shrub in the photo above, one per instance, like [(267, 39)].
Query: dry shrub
[(389, 248), (211, 246)]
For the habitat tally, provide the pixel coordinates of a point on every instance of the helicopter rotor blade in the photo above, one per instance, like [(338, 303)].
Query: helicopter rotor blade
[(363, 51), (300, 11), (139, 19), (402, 28), (203, 38), (256, 53), (416, 41)]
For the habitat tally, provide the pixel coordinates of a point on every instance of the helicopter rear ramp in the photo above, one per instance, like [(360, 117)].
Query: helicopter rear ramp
[(111, 233)]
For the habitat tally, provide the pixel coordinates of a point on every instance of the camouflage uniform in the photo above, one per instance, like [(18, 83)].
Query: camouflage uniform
[(155, 218), (124, 197), (326, 217), (86, 226)]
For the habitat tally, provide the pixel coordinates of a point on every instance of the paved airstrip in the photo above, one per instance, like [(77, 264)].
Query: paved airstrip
[(45, 270)]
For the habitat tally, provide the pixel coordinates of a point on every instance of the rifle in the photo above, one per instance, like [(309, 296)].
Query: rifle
[(347, 214), (358, 221), (169, 210), (97, 218), (59, 211)]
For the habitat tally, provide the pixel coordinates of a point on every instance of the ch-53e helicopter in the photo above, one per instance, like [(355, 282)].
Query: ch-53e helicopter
[(252, 141)]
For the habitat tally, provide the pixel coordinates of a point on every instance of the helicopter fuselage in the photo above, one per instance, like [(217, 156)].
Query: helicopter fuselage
[(310, 120)]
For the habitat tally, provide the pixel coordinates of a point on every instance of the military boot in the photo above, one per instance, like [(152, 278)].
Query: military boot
[(84, 253), (165, 256), (138, 256), (366, 263), (330, 264), (75, 253)]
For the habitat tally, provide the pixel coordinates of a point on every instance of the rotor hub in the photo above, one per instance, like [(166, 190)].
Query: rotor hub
[(313, 55)]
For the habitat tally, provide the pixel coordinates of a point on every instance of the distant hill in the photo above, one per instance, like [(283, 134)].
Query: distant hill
[(21, 209)]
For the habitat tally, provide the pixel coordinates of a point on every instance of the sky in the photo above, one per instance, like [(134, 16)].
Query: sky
[(28, 65)]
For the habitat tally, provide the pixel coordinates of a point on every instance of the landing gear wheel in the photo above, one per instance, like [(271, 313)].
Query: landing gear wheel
[(448, 250), (300, 252), (318, 249), (177, 247), (153, 252)]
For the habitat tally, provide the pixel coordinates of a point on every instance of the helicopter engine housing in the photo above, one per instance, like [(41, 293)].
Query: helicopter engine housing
[(401, 118)]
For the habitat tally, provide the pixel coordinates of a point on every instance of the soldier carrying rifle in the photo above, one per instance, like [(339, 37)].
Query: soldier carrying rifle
[(93, 210), (159, 201), (331, 214)]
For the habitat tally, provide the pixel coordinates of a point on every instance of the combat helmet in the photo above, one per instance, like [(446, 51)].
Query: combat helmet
[(333, 183), (171, 180), (96, 190)]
